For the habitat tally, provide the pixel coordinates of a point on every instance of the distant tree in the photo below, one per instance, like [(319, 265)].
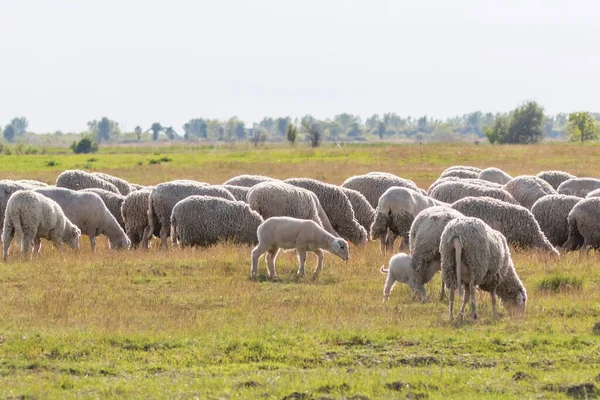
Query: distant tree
[(313, 131), (499, 131), (170, 132), (291, 133), (9, 133), (104, 128), (581, 126), (156, 128), (354, 130), (138, 132), (20, 125), (527, 124), (282, 124), (381, 129), (195, 128), (84, 146), (373, 121)]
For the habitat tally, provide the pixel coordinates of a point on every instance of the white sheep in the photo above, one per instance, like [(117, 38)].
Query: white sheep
[(372, 186), (399, 270), (495, 175), (292, 233), (76, 179), (527, 189), (579, 187), (555, 178)]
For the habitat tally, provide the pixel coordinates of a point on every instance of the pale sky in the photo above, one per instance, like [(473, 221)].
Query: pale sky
[(65, 62)]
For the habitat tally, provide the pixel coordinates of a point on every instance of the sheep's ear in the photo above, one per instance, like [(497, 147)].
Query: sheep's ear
[(336, 246)]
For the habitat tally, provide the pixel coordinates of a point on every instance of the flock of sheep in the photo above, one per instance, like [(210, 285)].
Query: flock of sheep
[(462, 225)]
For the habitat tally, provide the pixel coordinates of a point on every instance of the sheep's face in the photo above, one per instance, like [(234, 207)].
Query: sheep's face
[(340, 249), (123, 243), (516, 306), (72, 237)]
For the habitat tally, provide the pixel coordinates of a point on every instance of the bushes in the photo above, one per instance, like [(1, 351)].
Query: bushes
[(84, 146)]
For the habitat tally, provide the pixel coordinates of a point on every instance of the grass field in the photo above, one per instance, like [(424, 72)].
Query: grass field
[(191, 324)]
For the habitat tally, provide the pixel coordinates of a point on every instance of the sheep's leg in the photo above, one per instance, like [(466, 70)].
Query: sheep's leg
[(93, 242), (465, 301), (389, 241), (382, 244), (164, 235), (451, 302), (494, 308), (302, 259), (389, 285), (442, 291), (37, 245), (473, 289), (145, 236), (256, 253), (7, 237), (404, 247), (28, 237), (270, 258), (317, 271)]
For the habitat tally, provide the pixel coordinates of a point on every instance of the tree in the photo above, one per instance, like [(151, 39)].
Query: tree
[(380, 130), (195, 128), (527, 124), (581, 126), (499, 131), (84, 146), (282, 124), (313, 131), (156, 128), (104, 128), (291, 133), (9, 133), (138, 132), (20, 125)]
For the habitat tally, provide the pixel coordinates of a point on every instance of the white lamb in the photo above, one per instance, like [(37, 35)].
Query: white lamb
[(293, 233), (399, 270)]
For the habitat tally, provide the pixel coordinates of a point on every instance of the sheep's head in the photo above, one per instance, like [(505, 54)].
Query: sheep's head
[(339, 247), (515, 304), (353, 231), (71, 236), (121, 243)]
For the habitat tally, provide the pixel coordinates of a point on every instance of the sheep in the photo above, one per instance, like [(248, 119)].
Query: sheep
[(395, 212), (32, 182), (292, 233), (449, 192), (337, 206), (364, 213), (112, 201), (135, 186), (515, 222), (526, 189), (373, 186), (122, 185), (424, 242), (579, 187), (163, 198), (88, 212), (474, 181), (593, 193), (476, 255), (462, 168), (460, 173), (204, 220), (583, 225), (399, 270), (280, 199), (248, 180), (134, 211), (75, 179), (495, 175), (31, 216), (551, 213), (7, 188), (239, 192), (555, 178)]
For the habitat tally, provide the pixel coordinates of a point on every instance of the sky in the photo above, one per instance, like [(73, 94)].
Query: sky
[(66, 62)]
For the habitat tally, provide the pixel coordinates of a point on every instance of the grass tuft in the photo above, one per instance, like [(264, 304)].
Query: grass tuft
[(560, 283)]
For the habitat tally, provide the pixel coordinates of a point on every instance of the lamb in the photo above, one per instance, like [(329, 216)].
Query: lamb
[(291, 233), (205, 220), (477, 181), (374, 185), (396, 212), (495, 175), (555, 178), (75, 179), (280, 199), (583, 225), (87, 211), (364, 213), (579, 187), (122, 185), (7, 188), (248, 180), (134, 211), (515, 222), (552, 212), (449, 192), (112, 201), (526, 189), (164, 197), (399, 270), (31, 216), (337, 207), (239, 192), (425, 234), (476, 255)]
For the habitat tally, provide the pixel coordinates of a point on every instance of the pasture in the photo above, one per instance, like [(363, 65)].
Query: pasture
[(191, 324)]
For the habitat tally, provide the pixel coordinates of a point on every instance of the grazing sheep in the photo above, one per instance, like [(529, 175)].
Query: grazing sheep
[(32, 182), (460, 173), (495, 175), (396, 212), (280, 199), (163, 198), (551, 213), (248, 180), (88, 212), (239, 192), (583, 225), (112, 201), (476, 255), (579, 187), (7, 188), (399, 270), (337, 206), (462, 168), (135, 186), (425, 234), (449, 192), (364, 213), (515, 222), (373, 186), (204, 221), (291, 233), (526, 189), (31, 216), (479, 182), (122, 185), (134, 211), (555, 178), (76, 179)]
